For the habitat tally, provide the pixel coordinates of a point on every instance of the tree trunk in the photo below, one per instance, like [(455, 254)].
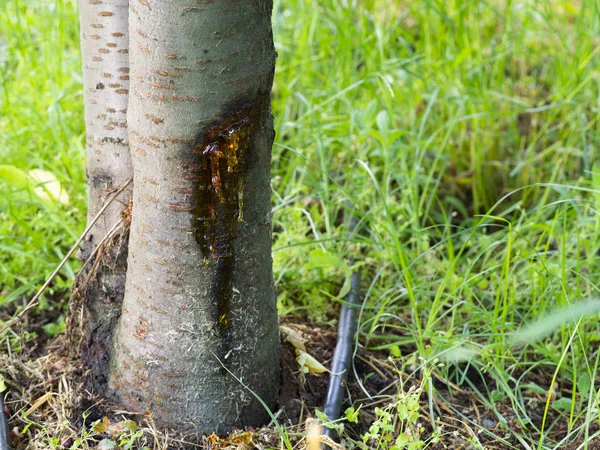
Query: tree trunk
[(104, 45), (199, 301)]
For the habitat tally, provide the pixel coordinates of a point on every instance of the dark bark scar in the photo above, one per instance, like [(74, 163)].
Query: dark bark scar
[(218, 201)]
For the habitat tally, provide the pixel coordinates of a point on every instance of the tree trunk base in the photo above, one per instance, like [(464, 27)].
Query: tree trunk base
[(95, 308)]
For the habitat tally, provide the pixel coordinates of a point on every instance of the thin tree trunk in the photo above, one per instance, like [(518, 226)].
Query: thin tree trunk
[(200, 300), (104, 45)]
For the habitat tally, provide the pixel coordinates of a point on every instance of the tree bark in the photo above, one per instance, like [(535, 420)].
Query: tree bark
[(199, 301), (104, 45)]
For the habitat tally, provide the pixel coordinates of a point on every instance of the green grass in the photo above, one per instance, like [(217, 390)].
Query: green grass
[(464, 133), (40, 128)]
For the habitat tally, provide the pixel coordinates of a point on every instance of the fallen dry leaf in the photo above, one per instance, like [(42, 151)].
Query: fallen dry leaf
[(309, 363), (293, 337)]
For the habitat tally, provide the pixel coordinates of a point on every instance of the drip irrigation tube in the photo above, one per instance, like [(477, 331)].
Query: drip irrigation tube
[(4, 434), (344, 348)]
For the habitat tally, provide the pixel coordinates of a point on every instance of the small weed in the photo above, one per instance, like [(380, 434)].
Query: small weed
[(398, 425)]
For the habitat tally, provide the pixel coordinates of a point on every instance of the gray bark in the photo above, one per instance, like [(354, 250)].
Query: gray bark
[(200, 299), (104, 45)]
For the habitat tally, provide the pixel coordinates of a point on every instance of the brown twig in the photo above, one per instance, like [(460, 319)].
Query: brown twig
[(34, 301), (100, 246), (372, 365)]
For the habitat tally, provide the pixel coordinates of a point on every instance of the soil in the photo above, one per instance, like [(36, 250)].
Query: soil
[(46, 400)]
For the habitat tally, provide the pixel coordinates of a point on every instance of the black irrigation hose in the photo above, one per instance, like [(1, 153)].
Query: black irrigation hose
[(4, 434), (344, 348)]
